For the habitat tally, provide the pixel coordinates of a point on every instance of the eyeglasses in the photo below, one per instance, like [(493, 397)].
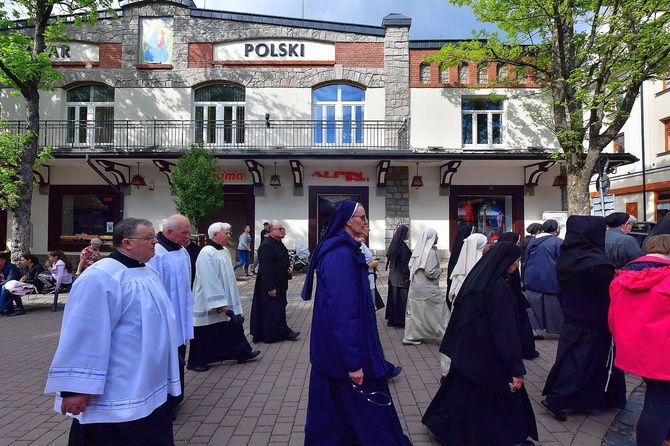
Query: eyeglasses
[(279, 229), (148, 238)]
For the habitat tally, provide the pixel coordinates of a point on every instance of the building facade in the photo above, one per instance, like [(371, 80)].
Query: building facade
[(330, 110)]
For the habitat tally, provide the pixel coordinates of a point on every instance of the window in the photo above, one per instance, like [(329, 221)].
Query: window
[(521, 75), (424, 73), (463, 76), (501, 73), (90, 115), (482, 121), (666, 131), (483, 74), (78, 213), (339, 111), (219, 114), (619, 146), (444, 74), (662, 204)]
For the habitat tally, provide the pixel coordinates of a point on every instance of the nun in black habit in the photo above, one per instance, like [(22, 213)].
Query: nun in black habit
[(483, 401), (398, 255), (580, 378), (525, 329)]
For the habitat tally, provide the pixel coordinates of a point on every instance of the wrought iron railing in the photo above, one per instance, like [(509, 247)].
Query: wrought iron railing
[(161, 135)]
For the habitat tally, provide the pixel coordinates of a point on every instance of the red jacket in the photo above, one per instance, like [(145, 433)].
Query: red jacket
[(639, 317)]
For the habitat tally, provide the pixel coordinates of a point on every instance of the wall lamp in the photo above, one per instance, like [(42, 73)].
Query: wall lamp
[(275, 182), (138, 180), (417, 181)]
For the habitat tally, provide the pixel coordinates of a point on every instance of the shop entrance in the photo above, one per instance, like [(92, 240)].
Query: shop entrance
[(322, 203)]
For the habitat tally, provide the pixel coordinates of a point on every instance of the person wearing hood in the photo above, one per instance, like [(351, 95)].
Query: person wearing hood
[(349, 398), (397, 262), (639, 318), (427, 311), (483, 400), (463, 233), (473, 250), (582, 377), (620, 247), (540, 280)]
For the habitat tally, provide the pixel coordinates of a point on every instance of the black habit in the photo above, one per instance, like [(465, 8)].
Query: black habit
[(268, 314), (398, 255)]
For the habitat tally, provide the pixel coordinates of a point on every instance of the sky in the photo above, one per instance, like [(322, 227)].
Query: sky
[(431, 19)]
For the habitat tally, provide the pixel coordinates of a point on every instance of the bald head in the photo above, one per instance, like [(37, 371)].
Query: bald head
[(177, 229)]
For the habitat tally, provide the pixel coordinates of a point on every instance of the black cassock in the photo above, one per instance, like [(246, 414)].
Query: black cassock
[(268, 314)]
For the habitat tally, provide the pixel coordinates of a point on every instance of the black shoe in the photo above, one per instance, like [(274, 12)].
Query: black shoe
[(198, 368), (17, 313), (538, 337), (251, 357), (397, 371), (557, 413), (292, 336), (536, 354)]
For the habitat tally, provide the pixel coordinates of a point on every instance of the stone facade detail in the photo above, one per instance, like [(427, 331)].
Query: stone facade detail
[(397, 200)]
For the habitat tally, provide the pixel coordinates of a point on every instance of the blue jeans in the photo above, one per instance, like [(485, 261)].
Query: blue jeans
[(6, 298), (244, 260)]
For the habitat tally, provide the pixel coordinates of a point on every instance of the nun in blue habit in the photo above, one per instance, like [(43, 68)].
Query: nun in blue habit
[(349, 399)]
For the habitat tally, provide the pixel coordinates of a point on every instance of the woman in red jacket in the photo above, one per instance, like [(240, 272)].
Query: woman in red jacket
[(639, 318)]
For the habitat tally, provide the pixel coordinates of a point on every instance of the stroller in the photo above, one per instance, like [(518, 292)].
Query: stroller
[(299, 258)]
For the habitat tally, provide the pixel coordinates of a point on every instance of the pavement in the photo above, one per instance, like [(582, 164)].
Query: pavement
[(264, 402)]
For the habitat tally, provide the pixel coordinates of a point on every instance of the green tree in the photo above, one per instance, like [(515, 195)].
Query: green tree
[(198, 188), (591, 57), (25, 65)]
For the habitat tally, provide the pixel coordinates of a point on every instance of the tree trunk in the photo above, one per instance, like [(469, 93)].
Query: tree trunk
[(20, 242)]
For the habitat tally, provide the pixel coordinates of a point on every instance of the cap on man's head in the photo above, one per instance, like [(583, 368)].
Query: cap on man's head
[(533, 228), (96, 241), (616, 219), (550, 225), (266, 224)]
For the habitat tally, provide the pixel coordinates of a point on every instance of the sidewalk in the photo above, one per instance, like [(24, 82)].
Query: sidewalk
[(264, 402)]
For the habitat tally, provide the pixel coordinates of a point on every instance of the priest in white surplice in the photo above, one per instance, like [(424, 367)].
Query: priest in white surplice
[(174, 267), (217, 336), (116, 361)]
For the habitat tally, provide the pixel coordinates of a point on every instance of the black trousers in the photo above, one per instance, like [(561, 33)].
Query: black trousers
[(654, 423)]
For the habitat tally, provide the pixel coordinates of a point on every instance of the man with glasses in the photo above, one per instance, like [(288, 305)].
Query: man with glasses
[(218, 334), (116, 361), (620, 247), (268, 310), (173, 264)]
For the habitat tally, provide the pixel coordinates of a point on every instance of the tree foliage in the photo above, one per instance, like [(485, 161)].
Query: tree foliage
[(591, 56), (198, 188), (25, 46)]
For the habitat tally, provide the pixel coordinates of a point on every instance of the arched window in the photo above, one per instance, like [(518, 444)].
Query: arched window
[(463, 76), (90, 115), (219, 114), (339, 111), (483, 74), (501, 73), (444, 74), (424, 73)]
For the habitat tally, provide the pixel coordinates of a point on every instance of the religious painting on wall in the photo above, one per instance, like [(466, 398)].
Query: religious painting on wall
[(156, 36)]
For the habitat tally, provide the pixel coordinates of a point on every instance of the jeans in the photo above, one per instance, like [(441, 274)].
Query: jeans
[(243, 254), (6, 299)]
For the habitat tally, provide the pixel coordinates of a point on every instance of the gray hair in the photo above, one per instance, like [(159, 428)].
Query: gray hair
[(217, 227), (632, 220), (173, 221), (128, 228)]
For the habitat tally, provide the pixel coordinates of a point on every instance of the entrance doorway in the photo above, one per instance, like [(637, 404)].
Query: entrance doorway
[(322, 203)]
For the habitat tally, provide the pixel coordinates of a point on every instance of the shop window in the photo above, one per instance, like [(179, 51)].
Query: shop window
[(662, 204), (338, 111), (78, 214), (90, 115), (219, 114), (619, 144), (424, 73), (444, 74), (482, 121), (463, 76)]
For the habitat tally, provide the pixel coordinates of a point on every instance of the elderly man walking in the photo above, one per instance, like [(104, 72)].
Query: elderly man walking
[(174, 267), (116, 361), (218, 334), (620, 247)]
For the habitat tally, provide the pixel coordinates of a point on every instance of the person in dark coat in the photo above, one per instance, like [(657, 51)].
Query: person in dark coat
[(525, 329), (579, 379), (268, 309), (398, 255), (483, 400), (349, 399), (620, 247)]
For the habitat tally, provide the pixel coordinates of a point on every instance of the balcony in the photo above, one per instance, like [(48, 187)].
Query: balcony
[(156, 136)]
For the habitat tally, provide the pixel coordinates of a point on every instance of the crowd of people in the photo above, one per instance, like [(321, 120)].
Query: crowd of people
[(604, 300)]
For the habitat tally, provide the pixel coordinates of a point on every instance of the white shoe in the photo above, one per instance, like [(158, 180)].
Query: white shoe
[(410, 342)]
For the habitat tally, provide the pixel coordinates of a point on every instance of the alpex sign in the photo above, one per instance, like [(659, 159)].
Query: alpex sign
[(273, 50)]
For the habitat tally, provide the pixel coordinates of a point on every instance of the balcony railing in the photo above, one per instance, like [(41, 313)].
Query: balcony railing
[(163, 136)]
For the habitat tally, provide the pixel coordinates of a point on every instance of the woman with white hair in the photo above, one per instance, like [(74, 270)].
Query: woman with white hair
[(427, 313)]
